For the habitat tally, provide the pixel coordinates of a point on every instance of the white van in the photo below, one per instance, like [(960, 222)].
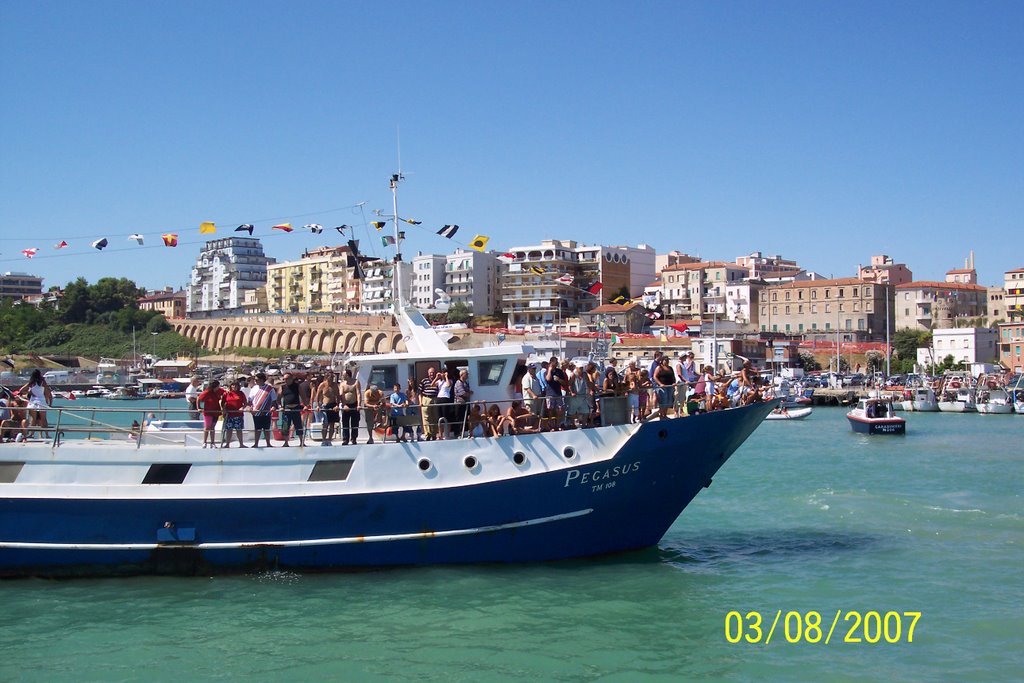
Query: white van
[(56, 376)]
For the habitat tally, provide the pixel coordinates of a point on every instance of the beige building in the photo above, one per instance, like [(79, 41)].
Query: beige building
[(169, 303), (760, 266), (819, 307), (995, 307), (930, 305), (884, 270), (698, 290), (630, 318)]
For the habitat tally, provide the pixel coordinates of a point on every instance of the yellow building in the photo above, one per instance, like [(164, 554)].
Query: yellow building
[(319, 282)]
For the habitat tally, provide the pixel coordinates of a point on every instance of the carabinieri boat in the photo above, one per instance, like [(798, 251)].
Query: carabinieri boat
[(149, 504), (875, 416)]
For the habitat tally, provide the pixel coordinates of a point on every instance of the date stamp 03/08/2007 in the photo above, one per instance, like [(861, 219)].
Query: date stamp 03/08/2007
[(808, 627)]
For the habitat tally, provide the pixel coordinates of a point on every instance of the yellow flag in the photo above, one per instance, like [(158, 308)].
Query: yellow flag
[(207, 228), (378, 224), (479, 242)]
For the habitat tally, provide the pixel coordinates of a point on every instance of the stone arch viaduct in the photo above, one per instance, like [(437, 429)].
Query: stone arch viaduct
[(315, 334)]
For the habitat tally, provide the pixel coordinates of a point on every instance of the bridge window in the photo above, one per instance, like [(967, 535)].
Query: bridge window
[(384, 376), (489, 372)]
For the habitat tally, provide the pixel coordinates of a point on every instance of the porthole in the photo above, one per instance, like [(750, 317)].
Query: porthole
[(662, 434), (519, 457), (423, 464), (569, 452), (469, 461)]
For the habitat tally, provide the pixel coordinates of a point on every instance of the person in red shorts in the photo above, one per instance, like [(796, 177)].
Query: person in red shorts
[(209, 402), (232, 404)]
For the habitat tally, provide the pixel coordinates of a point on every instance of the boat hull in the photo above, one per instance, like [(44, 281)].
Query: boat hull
[(994, 408), (623, 503), (955, 407), (888, 425)]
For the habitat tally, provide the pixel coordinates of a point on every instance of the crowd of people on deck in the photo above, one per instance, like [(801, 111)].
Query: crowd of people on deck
[(552, 395)]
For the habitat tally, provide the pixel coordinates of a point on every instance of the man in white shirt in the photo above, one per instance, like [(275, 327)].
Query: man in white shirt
[(532, 393), (192, 391)]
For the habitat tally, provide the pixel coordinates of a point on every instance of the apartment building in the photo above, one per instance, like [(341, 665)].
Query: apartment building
[(927, 305), (698, 290), (19, 285), (378, 287), (299, 286), (1011, 344), (818, 308), (471, 278), (545, 283), (225, 269), (427, 278)]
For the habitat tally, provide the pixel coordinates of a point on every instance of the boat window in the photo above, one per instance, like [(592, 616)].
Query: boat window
[(489, 372), (331, 470), (384, 376), (166, 473), (9, 471)]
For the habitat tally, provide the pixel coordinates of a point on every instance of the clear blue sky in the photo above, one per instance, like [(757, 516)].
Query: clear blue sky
[(823, 131)]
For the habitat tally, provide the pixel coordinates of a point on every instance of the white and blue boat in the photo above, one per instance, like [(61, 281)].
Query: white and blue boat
[(154, 504)]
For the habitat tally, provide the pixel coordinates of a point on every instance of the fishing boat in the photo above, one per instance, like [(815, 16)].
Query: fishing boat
[(784, 412), (136, 504), (992, 399), (876, 416), (918, 398), (956, 394)]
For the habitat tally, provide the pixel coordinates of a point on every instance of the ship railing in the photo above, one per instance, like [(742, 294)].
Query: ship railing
[(95, 422)]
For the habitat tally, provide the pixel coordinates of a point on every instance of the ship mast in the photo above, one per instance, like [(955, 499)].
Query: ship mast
[(399, 235)]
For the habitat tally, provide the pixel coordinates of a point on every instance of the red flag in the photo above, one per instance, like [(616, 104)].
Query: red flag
[(170, 239), (680, 327), (60, 245), (71, 396), (595, 288), (29, 253), (287, 227)]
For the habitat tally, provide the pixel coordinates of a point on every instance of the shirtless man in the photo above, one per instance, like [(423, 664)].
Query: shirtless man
[(373, 398), (326, 394), (351, 401)]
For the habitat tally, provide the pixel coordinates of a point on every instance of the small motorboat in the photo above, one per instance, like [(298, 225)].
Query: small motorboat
[(876, 416), (784, 413)]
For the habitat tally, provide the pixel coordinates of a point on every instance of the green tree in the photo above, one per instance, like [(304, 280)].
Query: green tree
[(459, 312), (808, 362), (907, 341)]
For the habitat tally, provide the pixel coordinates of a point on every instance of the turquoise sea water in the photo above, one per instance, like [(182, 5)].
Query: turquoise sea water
[(806, 516)]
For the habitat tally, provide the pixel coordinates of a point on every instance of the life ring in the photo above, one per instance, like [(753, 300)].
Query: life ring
[(955, 385)]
